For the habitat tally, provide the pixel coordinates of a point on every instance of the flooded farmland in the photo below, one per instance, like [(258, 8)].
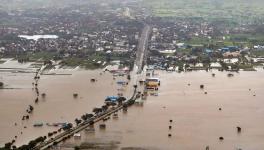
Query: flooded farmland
[(58, 106), (180, 115), (198, 119)]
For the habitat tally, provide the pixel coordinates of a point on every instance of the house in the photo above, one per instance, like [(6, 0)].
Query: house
[(152, 82), (232, 60), (215, 65), (167, 51), (258, 60), (229, 49), (231, 54)]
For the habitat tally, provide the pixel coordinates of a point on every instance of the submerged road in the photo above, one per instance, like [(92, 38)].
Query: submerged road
[(59, 138)]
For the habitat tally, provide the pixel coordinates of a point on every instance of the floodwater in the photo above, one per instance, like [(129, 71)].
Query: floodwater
[(58, 106), (197, 120)]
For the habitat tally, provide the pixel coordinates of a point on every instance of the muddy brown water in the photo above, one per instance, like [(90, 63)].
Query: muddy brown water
[(58, 106), (197, 121)]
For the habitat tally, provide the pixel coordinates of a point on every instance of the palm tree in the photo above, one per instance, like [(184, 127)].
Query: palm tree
[(86, 116), (77, 121), (97, 110), (121, 99), (104, 107)]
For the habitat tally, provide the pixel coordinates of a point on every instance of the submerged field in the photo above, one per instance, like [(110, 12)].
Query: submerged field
[(58, 106), (197, 121)]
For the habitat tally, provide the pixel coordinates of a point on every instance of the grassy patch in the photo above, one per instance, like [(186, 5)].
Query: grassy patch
[(91, 63), (245, 66), (42, 55), (236, 10), (257, 53)]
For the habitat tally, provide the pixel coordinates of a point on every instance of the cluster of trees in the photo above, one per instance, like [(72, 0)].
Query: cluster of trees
[(86, 116), (8, 146), (30, 145), (78, 121), (67, 126), (23, 59)]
